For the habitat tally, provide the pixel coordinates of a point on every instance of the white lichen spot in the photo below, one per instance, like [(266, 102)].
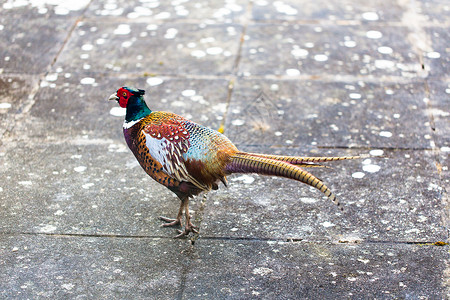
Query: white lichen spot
[(422, 219), (67, 286), (247, 179), (48, 228), (350, 44), (309, 200), (188, 93), (376, 152), (118, 111), (387, 134), (374, 34), (292, 72), (87, 185), (234, 229), (384, 64), (334, 127), (364, 261), (371, 168), (51, 77), (433, 54), (80, 169), (262, 271), (87, 47), (122, 29), (327, 224), (87, 80), (370, 16), (445, 149), (351, 279), (283, 8), (320, 57), (5, 105), (214, 50), (274, 87), (59, 213), (154, 81), (127, 44), (198, 53), (171, 33), (299, 53), (358, 175), (355, 96), (385, 50)]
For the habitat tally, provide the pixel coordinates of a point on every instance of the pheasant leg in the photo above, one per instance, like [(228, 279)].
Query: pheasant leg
[(174, 222), (189, 226)]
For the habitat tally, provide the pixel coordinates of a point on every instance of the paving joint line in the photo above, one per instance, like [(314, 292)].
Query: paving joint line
[(229, 238)]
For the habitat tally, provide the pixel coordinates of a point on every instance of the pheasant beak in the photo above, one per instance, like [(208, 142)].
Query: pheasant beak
[(113, 97)]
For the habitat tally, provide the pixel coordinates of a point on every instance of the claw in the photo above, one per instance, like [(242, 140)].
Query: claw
[(188, 229), (170, 222)]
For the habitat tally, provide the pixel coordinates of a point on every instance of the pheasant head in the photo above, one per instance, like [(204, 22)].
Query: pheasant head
[(132, 99)]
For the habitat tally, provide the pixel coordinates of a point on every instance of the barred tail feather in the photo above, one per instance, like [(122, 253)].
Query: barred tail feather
[(307, 161), (250, 163)]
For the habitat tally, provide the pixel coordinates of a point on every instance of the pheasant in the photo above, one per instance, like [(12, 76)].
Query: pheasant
[(189, 158)]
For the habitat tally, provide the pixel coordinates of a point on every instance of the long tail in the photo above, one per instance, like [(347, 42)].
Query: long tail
[(307, 161), (242, 162)]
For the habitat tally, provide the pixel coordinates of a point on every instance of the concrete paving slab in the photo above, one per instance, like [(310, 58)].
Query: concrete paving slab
[(292, 10), (205, 11), (44, 32), (291, 270), (64, 267), (176, 48), (329, 114), (381, 200), (322, 50), (106, 267)]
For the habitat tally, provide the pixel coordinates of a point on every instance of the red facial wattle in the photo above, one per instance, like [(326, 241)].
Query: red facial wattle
[(123, 102), (123, 97)]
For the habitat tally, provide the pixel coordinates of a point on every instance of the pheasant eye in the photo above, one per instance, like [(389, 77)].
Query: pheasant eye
[(124, 94)]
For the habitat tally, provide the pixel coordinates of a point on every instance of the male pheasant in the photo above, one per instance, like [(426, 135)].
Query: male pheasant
[(189, 158)]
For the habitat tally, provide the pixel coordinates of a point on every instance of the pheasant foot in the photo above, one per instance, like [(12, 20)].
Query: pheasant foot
[(188, 229), (170, 222)]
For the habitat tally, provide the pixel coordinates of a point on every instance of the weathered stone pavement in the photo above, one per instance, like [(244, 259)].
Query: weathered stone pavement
[(79, 217)]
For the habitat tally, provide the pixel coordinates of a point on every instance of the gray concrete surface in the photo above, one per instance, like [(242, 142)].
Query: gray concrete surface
[(78, 217)]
